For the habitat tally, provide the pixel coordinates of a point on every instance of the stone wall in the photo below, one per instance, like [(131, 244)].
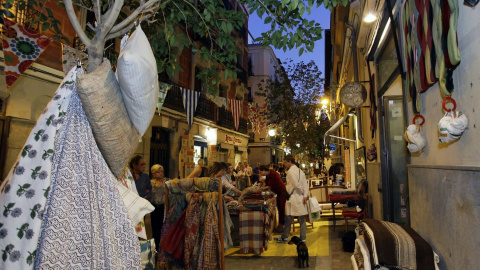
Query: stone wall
[(445, 211)]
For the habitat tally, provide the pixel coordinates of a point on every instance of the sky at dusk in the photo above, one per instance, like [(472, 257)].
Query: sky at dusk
[(320, 15)]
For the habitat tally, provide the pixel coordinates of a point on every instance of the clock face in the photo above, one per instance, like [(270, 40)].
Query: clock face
[(353, 94)]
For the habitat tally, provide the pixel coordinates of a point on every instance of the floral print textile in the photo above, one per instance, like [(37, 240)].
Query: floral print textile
[(25, 190), (21, 47), (86, 224)]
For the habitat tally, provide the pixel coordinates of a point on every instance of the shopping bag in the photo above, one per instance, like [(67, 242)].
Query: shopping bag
[(313, 209), (147, 254)]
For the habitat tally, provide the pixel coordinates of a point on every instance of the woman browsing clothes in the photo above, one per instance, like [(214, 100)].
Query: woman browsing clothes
[(274, 182), (158, 201)]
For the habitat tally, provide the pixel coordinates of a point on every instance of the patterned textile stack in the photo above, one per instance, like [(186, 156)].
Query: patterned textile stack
[(191, 232), (257, 219), (386, 245)]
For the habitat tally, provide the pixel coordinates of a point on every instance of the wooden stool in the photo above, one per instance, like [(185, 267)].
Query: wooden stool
[(295, 221)]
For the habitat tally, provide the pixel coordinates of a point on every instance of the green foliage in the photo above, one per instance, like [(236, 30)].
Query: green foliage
[(289, 28), (294, 99), (206, 27), (37, 16)]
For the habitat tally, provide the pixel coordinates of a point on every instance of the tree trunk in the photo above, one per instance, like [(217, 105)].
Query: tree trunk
[(95, 55)]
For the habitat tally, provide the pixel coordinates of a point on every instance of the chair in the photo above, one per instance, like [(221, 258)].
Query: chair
[(351, 213), (295, 221)]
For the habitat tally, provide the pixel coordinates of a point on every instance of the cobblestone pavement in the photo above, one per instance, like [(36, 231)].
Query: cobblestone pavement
[(337, 259)]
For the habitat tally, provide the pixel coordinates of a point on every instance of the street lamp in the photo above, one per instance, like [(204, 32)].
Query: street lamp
[(271, 132)]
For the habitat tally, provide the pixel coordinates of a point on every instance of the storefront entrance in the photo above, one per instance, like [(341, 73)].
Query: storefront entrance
[(160, 149), (394, 170)]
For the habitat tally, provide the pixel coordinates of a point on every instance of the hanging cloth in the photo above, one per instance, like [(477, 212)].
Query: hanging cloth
[(162, 95), (174, 240), (236, 108), (25, 189), (209, 246), (86, 224), (190, 102), (192, 226), (21, 47)]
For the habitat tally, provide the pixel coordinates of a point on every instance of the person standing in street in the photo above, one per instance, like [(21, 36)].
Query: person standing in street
[(275, 183), (142, 180), (296, 206), (255, 174), (158, 201)]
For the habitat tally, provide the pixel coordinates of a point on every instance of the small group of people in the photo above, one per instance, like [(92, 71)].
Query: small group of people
[(264, 175), (151, 189)]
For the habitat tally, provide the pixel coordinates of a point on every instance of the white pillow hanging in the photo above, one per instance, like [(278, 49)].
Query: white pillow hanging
[(138, 79), (416, 141)]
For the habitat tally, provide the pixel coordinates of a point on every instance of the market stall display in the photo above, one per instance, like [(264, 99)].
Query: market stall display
[(256, 219), (191, 239), (386, 245)]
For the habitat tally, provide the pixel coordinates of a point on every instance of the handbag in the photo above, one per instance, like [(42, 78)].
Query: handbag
[(314, 209)]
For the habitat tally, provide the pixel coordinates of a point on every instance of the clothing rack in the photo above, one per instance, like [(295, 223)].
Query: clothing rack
[(220, 219)]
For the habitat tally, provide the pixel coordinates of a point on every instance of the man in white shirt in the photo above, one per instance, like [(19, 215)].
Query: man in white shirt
[(296, 206)]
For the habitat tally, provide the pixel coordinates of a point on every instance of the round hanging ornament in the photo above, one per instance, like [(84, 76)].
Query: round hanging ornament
[(353, 94)]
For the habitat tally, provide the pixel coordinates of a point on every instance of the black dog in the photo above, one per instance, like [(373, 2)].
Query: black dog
[(302, 251)]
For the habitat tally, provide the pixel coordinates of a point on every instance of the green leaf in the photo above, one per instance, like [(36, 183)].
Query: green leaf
[(33, 213), (284, 3), (7, 5), (25, 186), (10, 205), (38, 168), (20, 234), (49, 11), (268, 19), (301, 51), (45, 26), (294, 4), (4, 256)]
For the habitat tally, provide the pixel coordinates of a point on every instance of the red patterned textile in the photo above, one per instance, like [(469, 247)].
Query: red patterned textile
[(21, 47), (174, 240), (192, 226), (209, 255)]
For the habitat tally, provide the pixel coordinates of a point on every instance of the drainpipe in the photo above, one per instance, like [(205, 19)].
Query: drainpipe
[(355, 74)]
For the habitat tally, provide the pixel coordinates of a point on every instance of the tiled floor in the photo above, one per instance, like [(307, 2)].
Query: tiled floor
[(336, 260)]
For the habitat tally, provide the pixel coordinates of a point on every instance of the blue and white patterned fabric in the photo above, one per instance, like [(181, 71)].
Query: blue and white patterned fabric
[(85, 225), (25, 190)]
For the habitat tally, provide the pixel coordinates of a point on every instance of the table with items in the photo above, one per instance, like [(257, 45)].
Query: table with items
[(254, 217)]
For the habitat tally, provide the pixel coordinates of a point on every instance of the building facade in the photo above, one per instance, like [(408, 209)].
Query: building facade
[(263, 64), (434, 191)]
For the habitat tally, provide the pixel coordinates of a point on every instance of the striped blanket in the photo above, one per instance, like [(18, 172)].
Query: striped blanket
[(251, 232), (256, 229), (396, 247)]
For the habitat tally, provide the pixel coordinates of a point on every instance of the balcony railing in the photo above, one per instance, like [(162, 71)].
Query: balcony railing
[(174, 100), (225, 118), (206, 110)]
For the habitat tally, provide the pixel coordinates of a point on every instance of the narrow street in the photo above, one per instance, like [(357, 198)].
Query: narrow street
[(331, 256)]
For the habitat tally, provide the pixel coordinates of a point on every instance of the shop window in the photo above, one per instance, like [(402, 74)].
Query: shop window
[(387, 61)]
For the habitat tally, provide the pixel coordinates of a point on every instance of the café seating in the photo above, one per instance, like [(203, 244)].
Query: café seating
[(352, 213)]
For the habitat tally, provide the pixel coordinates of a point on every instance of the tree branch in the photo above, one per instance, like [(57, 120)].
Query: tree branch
[(110, 18), (96, 9), (75, 23), (141, 9)]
